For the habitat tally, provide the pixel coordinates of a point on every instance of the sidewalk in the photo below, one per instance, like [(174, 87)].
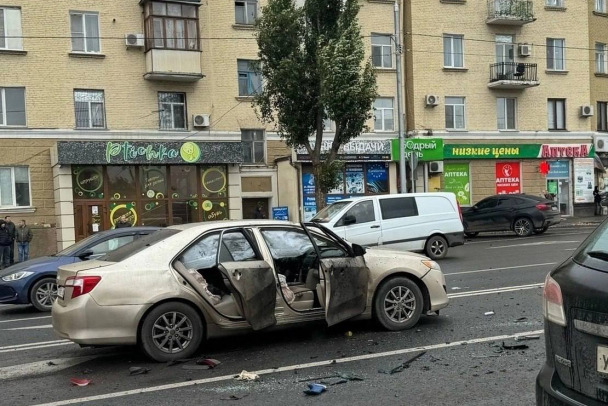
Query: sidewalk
[(580, 221)]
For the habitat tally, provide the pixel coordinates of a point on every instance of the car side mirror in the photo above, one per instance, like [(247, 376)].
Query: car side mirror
[(349, 219), (358, 250), (85, 255)]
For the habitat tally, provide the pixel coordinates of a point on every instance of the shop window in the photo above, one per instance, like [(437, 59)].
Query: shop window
[(183, 182), (153, 181), (121, 182), (15, 186), (184, 211), (172, 110), (602, 116), (87, 182), (171, 26), (85, 32), (556, 114), (154, 213)]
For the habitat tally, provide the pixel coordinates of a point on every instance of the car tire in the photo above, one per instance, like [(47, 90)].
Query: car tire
[(471, 234), (43, 294), (436, 247), (523, 227), (541, 230), (160, 329), (406, 312)]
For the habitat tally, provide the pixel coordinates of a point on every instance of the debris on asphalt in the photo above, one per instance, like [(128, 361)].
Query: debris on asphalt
[(333, 381), (195, 367), (236, 397), (247, 376), (402, 366), (80, 382), (485, 356), (514, 346), (348, 334), (456, 288), (530, 337), (138, 370), (178, 361), (490, 313), (315, 389), (521, 319), (51, 363), (210, 362)]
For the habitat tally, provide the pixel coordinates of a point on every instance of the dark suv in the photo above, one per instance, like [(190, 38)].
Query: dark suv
[(523, 214), (575, 306)]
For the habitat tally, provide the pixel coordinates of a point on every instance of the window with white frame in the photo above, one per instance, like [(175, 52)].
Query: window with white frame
[(171, 26), (329, 125), (14, 186), (556, 59), (250, 81), (12, 106), (253, 146), (602, 116), (89, 109), (600, 6), (453, 51), (172, 109), (601, 58), (556, 114), (382, 51), (245, 12), (454, 113), (10, 28), (505, 113), (383, 114), (554, 3), (85, 31)]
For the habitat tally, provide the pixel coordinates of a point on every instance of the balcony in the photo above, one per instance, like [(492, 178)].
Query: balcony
[(513, 75), (173, 65), (510, 12)]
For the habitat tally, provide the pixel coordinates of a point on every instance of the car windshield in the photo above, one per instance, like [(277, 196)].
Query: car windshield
[(329, 212), (136, 246), (73, 249), (593, 252)]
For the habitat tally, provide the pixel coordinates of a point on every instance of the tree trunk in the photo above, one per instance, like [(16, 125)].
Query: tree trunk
[(319, 194)]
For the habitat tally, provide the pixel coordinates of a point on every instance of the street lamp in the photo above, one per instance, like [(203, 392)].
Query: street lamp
[(401, 122)]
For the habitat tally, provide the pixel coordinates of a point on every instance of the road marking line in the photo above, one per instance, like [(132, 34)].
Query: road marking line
[(479, 240), (30, 344), (41, 367), (29, 318), (36, 347), (500, 269), (28, 328), (149, 389), (495, 290), (534, 243)]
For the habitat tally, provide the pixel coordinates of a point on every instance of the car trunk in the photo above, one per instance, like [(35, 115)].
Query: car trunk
[(64, 293)]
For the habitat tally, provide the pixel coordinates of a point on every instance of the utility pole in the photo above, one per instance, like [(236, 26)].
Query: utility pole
[(401, 122)]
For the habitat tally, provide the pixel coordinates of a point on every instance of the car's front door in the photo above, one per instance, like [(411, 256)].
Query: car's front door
[(480, 216), (361, 224)]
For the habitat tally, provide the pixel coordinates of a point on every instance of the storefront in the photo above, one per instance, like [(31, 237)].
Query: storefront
[(150, 183), (426, 157)]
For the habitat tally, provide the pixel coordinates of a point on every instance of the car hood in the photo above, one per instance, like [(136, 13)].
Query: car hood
[(40, 264), (380, 260)]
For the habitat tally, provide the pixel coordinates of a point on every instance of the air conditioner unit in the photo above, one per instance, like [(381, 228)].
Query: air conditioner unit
[(200, 120), (525, 49), (586, 111), (134, 40), (431, 100), (436, 167), (601, 143)]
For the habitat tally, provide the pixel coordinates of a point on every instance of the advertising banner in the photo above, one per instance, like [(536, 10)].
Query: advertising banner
[(508, 180), (356, 150), (425, 149), (280, 213), (559, 170), (583, 180), (514, 151), (457, 180)]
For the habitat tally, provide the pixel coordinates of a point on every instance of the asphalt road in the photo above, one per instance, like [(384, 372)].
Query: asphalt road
[(464, 362)]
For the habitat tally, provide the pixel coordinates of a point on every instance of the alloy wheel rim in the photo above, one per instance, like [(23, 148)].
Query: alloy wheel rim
[(437, 247), (46, 294), (399, 304), (522, 227), (172, 332)]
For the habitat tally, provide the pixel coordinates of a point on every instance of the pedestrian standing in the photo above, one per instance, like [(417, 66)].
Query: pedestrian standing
[(122, 222), (597, 199), (23, 236), (5, 241), (259, 213), (10, 226)]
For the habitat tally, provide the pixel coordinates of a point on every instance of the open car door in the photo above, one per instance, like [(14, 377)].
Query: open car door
[(345, 275)]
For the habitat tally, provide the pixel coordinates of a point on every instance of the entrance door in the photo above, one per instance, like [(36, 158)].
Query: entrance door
[(250, 208), (89, 218), (564, 196)]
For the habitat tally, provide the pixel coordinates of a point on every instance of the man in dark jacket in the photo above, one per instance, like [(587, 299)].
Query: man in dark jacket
[(122, 222), (10, 226), (23, 236), (5, 242)]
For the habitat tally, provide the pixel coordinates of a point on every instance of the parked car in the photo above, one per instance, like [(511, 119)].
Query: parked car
[(425, 222), (520, 213), (34, 281), (575, 307), (170, 290)]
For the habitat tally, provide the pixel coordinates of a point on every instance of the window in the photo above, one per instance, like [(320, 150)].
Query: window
[(487, 203), (383, 114), (287, 243), (236, 247), (556, 114), (600, 6), (245, 12), (12, 106), (454, 113), (89, 108), (601, 58), (110, 245), (10, 28), (202, 254), (505, 113), (382, 51), (171, 26), (172, 108), (363, 213), (453, 54), (85, 31), (253, 146), (250, 81), (602, 116), (398, 207), (554, 3), (14, 186), (555, 54), (329, 125)]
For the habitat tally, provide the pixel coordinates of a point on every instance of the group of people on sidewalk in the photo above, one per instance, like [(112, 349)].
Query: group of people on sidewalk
[(9, 234)]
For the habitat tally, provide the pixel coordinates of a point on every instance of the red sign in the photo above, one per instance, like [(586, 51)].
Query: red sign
[(544, 167), (508, 178)]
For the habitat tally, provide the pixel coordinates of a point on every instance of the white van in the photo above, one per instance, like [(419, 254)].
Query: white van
[(428, 222)]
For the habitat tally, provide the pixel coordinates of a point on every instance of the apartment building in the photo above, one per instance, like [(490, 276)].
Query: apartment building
[(506, 86), (598, 46)]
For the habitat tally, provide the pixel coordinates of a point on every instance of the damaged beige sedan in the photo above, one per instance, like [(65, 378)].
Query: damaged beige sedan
[(172, 289)]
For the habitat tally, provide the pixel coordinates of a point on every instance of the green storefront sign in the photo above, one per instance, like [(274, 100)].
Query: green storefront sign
[(426, 149), (517, 151), (456, 178)]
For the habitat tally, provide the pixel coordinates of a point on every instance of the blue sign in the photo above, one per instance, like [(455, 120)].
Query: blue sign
[(280, 213), (559, 169), (308, 183)]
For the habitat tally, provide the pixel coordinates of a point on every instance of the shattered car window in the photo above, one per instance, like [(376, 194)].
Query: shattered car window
[(285, 243), (238, 247), (202, 254)]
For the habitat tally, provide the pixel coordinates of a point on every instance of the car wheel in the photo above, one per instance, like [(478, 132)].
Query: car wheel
[(43, 294), (541, 230), (171, 331), (398, 304), (436, 247), (469, 234), (523, 227)]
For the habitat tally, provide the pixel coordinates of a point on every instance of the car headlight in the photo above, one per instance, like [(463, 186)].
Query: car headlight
[(431, 264), (16, 276)]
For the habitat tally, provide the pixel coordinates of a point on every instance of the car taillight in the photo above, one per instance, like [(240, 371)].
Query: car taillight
[(553, 304), (82, 284), (459, 211), (542, 207)]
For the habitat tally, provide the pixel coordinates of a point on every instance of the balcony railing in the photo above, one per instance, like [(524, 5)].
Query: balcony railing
[(510, 12), (513, 75)]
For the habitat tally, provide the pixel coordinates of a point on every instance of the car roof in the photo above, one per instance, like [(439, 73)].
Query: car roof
[(210, 225)]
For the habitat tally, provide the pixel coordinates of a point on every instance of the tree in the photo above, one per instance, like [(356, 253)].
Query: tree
[(313, 64)]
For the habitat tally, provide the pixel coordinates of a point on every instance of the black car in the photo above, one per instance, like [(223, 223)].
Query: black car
[(575, 306), (521, 213)]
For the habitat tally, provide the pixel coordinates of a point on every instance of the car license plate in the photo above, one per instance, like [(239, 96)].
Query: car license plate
[(602, 359), (60, 292)]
